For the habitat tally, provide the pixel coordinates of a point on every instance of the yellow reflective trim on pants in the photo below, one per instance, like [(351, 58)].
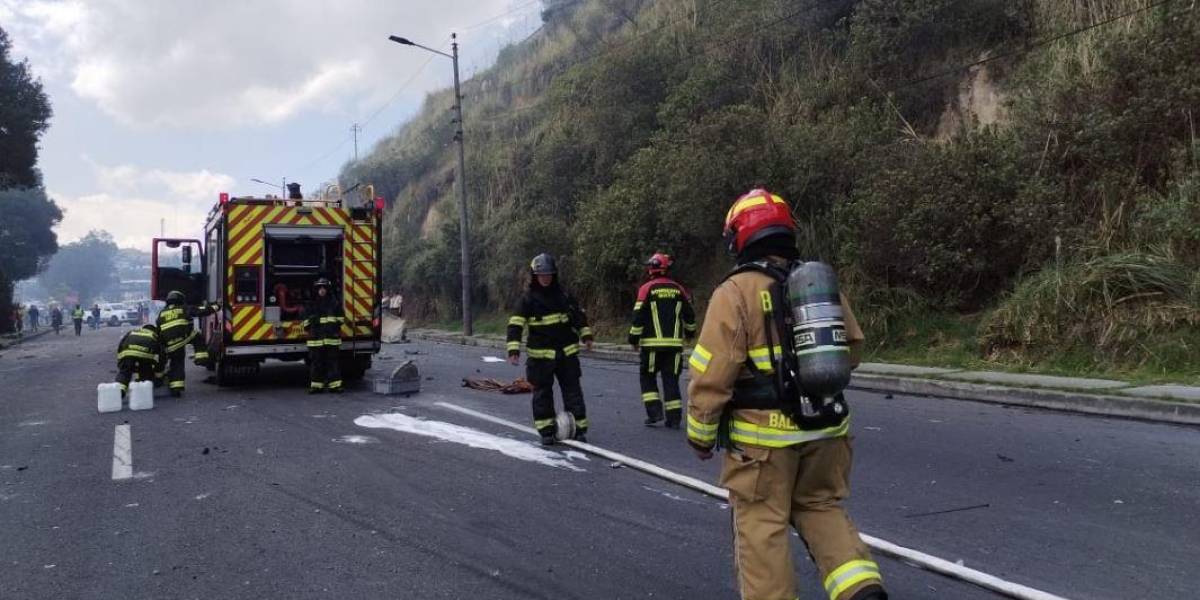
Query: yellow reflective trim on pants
[(335, 384), (316, 385), (673, 404), (581, 424), (774, 437), (176, 385), (650, 397), (137, 354), (699, 359), (705, 433), (849, 575), (517, 321), (661, 342), (542, 423), (636, 330), (315, 343)]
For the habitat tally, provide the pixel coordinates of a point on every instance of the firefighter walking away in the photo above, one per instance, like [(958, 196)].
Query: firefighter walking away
[(323, 322), (662, 318), (787, 454), (177, 331), (556, 327), (140, 354)]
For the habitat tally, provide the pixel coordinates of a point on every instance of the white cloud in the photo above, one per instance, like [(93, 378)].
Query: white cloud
[(134, 204), (232, 63)]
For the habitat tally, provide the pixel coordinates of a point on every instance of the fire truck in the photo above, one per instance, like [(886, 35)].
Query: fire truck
[(259, 260)]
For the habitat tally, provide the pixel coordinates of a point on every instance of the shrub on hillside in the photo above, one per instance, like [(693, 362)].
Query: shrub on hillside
[(954, 222)]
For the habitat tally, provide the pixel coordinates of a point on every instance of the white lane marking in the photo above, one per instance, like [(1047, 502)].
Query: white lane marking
[(122, 454), (32, 423), (914, 557), (356, 439), (469, 437), (204, 495)]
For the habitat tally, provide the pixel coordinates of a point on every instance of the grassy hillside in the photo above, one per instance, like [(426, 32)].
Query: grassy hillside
[(997, 181)]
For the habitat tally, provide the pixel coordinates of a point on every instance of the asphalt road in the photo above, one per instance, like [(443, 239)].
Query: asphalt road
[(265, 492)]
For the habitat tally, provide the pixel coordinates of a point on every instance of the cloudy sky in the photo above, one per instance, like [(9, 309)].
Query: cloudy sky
[(159, 105)]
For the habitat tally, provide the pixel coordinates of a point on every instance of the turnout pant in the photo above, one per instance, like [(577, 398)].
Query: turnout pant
[(801, 486), (541, 373), (324, 368), (128, 367), (667, 362), (175, 369), (78, 326)]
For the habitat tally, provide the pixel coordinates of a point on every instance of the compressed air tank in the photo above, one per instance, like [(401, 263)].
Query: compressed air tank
[(818, 330)]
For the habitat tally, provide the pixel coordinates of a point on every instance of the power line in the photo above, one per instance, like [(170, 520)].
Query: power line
[(513, 10), (1031, 46)]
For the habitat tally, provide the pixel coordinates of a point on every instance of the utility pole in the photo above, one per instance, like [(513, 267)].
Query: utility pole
[(463, 225), (355, 129), (462, 194)]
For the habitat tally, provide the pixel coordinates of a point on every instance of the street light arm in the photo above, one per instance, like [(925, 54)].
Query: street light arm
[(408, 42)]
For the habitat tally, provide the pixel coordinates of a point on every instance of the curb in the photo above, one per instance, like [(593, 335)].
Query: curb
[(1182, 413), (1145, 409), (25, 338)]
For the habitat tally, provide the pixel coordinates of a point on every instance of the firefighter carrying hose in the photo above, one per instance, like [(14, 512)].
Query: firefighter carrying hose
[(323, 322), (556, 326), (176, 331), (662, 318), (783, 467), (140, 353)]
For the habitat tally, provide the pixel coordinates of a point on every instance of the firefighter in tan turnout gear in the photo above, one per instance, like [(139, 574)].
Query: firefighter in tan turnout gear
[(783, 466)]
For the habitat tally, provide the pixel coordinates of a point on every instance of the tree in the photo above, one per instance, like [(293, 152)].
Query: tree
[(26, 239), (86, 267), (24, 116)]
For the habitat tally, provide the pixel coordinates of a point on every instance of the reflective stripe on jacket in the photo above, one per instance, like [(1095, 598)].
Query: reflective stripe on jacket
[(555, 322), (662, 315)]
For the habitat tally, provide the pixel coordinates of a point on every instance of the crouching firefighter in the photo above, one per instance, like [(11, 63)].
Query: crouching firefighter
[(556, 326), (140, 354), (662, 318), (323, 322), (775, 351), (175, 326)]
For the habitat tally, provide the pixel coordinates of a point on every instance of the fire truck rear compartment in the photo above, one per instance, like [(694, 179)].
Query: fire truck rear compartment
[(294, 258)]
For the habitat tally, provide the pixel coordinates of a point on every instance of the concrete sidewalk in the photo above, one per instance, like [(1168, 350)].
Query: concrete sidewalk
[(1106, 397)]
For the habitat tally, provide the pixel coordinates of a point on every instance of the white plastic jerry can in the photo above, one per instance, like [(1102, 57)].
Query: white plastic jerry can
[(108, 397), (141, 395)]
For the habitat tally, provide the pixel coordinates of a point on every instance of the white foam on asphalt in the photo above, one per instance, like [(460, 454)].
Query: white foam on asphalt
[(466, 436), (32, 423)]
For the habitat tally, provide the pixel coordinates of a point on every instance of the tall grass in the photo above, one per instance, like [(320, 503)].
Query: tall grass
[(1121, 305)]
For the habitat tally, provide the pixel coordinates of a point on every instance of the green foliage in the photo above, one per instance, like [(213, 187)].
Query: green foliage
[(624, 128), (24, 116), (86, 267), (954, 222), (1124, 305)]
